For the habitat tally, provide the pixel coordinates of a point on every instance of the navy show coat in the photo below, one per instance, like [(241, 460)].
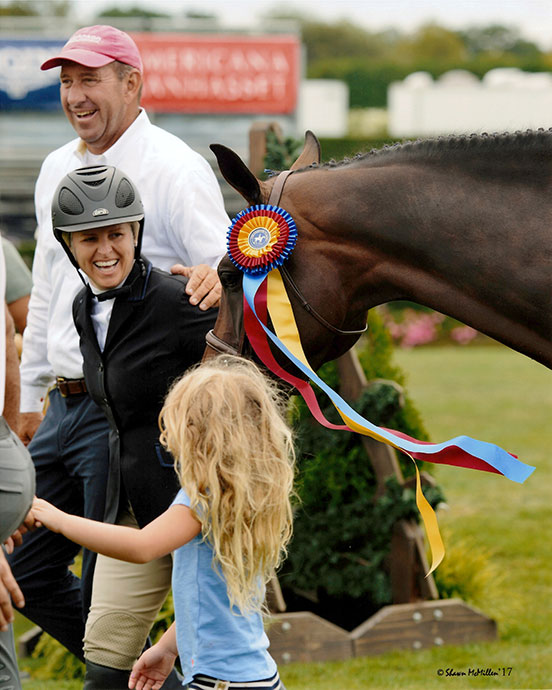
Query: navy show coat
[(154, 335)]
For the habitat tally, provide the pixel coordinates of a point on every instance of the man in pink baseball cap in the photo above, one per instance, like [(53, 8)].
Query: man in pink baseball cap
[(97, 46), (101, 83), (100, 88)]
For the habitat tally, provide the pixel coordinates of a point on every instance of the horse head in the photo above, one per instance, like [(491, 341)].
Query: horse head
[(228, 334), (459, 225)]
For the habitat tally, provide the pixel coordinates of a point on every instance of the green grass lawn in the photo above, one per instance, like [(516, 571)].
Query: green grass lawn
[(495, 395)]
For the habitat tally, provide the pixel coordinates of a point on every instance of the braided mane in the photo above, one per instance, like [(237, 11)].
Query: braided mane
[(439, 148)]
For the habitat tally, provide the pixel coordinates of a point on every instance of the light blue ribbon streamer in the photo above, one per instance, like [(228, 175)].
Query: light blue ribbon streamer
[(506, 464)]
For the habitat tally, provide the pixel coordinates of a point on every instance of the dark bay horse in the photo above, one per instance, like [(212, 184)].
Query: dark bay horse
[(461, 224)]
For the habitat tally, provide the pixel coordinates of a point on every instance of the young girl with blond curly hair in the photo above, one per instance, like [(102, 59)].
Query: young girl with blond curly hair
[(228, 527)]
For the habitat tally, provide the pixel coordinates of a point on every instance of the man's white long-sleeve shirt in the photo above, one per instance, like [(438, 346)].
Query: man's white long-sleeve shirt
[(185, 222), (2, 329)]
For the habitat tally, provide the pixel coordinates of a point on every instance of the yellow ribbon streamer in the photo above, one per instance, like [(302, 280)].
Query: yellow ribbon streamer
[(285, 327)]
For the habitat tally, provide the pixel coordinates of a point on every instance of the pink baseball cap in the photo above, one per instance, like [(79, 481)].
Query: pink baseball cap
[(96, 46)]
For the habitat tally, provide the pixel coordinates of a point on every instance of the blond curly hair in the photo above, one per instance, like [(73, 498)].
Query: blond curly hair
[(223, 422)]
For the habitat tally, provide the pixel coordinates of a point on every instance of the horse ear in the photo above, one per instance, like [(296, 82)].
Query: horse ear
[(310, 153), (237, 174)]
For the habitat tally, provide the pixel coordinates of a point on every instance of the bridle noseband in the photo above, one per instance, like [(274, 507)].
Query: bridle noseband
[(223, 347), (286, 276)]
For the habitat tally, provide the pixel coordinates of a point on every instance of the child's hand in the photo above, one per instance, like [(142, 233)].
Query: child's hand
[(46, 514), (152, 668), (16, 539)]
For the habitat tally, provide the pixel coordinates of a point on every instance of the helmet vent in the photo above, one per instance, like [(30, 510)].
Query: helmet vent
[(125, 194), (69, 202), (93, 183)]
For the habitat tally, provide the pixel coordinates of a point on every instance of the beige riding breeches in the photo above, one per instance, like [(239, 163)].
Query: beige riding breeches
[(126, 598)]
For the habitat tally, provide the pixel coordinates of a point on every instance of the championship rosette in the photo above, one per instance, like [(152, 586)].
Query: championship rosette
[(261, 238)]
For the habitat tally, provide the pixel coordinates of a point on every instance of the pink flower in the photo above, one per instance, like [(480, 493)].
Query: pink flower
[(420, 331), (463, 334)]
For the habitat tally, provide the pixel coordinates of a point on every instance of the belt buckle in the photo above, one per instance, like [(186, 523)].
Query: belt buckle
[(222, 685), (69, 387), (61, 384)]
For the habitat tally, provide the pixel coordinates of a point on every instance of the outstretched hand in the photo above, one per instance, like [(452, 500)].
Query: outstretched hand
[(46, 514), (203, 285), (16, 539), (151, 669)]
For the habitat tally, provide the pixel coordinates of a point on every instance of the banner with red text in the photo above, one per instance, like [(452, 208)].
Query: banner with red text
[(219, 73)]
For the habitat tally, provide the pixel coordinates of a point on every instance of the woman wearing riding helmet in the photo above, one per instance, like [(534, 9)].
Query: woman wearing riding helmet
[(138, 333)]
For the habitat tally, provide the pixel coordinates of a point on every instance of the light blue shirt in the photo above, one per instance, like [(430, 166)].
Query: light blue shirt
[(211, 639)]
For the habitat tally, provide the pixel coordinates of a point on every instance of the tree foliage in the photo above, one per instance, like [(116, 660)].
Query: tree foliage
[(498, 40), (342, 40), (369, 61), (431, 44), (35, 8), (135, 11)]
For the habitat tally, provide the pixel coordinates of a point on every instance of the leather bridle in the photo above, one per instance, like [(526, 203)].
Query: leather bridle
[(222, 347)]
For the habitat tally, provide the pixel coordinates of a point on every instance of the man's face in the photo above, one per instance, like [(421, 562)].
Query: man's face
[(98, 104)]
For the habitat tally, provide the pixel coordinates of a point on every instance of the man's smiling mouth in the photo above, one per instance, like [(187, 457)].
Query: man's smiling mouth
[(84, 113)]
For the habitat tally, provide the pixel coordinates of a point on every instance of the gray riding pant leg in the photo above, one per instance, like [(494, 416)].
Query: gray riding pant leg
[(9, 672), (17, 481), (17, 487)]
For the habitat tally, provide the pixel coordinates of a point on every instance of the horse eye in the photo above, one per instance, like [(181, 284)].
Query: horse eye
[(230, 280)]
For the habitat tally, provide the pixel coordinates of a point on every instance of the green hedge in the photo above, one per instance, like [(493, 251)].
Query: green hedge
[(348, 147), (369, 80)]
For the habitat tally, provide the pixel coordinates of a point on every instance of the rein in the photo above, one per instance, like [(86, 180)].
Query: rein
[(221, 346)]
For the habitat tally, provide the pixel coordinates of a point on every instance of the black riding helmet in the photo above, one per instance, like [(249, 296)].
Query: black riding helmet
[(95, 197)]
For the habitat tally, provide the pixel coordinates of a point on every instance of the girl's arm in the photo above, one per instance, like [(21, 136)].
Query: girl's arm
[(173, 528)]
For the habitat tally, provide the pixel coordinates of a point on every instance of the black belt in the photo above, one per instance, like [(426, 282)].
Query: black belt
[(69, 387)]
